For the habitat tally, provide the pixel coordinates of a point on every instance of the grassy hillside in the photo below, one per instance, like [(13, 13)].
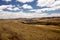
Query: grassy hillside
[(43, 21), (16, 30)]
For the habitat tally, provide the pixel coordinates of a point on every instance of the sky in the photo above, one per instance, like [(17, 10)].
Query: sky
[(29, 8)]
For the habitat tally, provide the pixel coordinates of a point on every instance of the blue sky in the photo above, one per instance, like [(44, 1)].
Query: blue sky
[(29, 8)]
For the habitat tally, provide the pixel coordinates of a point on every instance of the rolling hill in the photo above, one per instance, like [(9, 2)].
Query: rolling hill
[(30, 29)]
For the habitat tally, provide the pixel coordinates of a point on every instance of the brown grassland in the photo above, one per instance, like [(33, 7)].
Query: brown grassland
[(40, 29)]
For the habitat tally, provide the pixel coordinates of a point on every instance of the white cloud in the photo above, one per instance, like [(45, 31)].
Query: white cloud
[(56, 3), (55, 15), (24, 1), (7, 0), (9, 7), (51, 5), (8, 15), (50, 9), (48, 3), (26, 6), (38, 13), (4, 6), (16, 8), (11, 15), (42, 3)]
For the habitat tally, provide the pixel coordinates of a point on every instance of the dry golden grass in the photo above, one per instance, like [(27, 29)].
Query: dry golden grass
[(15, 30)]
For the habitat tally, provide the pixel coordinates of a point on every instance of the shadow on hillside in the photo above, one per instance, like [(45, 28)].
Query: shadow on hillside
[(41, 23)]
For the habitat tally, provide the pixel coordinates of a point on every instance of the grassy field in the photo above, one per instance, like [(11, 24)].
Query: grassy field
[(16, 30)]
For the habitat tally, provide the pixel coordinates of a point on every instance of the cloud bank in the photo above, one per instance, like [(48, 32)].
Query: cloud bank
[(24, 1), (26, 6), (11, 11), (6, 0)]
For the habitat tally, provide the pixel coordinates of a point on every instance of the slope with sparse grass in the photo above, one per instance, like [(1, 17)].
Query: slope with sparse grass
[(16, 30), (43, 21)]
